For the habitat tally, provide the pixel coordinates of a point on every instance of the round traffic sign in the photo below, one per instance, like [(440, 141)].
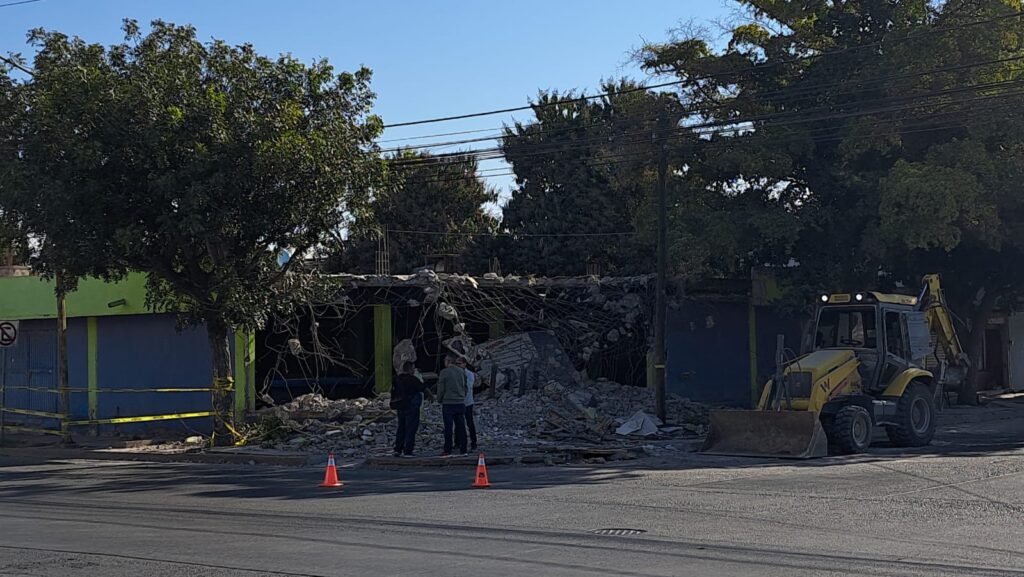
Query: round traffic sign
[(8, 333)]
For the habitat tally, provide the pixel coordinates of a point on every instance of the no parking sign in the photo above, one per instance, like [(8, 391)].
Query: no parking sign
[(8, 333)]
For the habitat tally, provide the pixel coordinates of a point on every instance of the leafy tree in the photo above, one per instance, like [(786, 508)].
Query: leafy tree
[(14, 247), (590, 167), (582, 168), (882, 129), (437, 205), (195, 163)]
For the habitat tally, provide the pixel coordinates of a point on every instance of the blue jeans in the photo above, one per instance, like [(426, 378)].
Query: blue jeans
[(408, 424), (454, 416)]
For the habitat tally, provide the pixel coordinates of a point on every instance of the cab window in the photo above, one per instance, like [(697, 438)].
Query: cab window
[(894, 342), (846, 327)]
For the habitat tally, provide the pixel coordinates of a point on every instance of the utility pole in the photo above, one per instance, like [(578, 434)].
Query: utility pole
[(62, 361), (660, 305)]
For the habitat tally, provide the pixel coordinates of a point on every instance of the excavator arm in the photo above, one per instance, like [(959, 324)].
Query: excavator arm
[(940, 322)]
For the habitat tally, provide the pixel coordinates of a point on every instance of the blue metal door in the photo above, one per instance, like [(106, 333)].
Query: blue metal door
[(708, 353), (30, 378)]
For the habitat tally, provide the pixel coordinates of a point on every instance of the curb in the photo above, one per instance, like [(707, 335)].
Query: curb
[(36, 453), (436, 462)]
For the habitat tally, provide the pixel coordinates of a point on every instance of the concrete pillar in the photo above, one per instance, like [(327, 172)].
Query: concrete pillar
[(382, 348)]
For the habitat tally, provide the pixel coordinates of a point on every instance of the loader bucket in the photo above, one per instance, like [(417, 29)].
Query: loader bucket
[(785, 434)]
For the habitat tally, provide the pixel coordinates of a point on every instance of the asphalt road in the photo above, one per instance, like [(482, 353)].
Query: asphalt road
[(954, 509)]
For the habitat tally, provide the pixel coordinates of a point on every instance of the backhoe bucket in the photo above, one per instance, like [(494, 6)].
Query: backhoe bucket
[(785, 434)]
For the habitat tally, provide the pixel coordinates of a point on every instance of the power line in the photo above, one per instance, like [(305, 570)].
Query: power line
[(977, 111), (757, 67), (722, 126), (17, 3), (436, 135), (514, 235), (802, 134), (706, 128), (719, 145), (806, 92), (15, 64)]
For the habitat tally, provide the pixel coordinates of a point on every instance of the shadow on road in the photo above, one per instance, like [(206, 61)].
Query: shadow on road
[(975, 432)]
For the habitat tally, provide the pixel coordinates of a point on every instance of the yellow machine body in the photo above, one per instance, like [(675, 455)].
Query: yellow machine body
[(798, 418)]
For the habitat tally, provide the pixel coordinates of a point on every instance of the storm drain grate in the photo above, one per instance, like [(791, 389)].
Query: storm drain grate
[(618, 532)]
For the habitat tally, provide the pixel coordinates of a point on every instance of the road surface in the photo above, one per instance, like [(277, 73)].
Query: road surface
[(955, 509)]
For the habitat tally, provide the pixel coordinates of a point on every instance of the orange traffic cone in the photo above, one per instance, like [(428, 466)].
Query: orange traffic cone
[(331, 478), (481, 481)]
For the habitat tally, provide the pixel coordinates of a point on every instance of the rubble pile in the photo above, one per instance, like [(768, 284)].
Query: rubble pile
[(593, 412), (588, 413)]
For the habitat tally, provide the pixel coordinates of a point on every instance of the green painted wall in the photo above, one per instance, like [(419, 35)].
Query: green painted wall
[(245, 374), (382, 348), (30, 297)]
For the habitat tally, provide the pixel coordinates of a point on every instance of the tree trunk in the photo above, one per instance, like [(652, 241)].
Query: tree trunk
[(223, 381), (968, 394)]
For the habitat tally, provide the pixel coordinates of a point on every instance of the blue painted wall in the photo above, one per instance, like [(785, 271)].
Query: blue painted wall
[(133, 352), (707, 358), (30, 363), (708, 346), (147, 352), (770, 324)]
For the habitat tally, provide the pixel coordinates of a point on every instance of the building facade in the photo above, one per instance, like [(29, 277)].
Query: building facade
[(130, 371)]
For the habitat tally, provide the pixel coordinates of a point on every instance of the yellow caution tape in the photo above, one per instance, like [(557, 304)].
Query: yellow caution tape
[(31, 430), (83, 390), (143, 419), (33, 413)]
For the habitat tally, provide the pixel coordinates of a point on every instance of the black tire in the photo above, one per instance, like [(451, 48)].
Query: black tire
[(850, 431), (915, 417)]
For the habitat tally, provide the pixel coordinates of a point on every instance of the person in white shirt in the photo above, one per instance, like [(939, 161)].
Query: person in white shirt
[(470, 423)]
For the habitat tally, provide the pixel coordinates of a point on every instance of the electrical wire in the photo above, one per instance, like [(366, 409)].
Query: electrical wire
[(795, 137), (19, 3), (755, 68), (704, 129), (807, 92), (711, 129), (722, 126), (514, 235)]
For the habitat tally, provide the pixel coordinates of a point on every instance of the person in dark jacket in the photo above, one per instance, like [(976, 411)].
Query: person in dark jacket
[(406, 398)]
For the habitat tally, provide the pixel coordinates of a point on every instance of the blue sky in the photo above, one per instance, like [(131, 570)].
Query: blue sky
[(430, 58)]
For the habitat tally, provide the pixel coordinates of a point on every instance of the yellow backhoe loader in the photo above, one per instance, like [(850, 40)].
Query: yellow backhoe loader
[(866, 369)]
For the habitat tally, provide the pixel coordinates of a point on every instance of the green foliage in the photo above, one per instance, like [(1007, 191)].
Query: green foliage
[(14, 244), (897, 152), (194, 162), (436, 205), (581, 167), (850, 193)]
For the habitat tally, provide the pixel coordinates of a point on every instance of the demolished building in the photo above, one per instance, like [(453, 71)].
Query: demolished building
[(345, 347), (527, 332)]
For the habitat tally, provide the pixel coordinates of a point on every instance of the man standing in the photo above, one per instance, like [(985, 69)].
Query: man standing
[(406, 398), (470, 423), (451, 394)]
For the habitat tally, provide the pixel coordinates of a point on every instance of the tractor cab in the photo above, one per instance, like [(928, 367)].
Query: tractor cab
[(886, 332)]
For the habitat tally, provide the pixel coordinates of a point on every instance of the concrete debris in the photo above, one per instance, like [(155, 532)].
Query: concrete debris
[(640, 424), (537, 354), (447, 311), (546, 419), (403, 351)]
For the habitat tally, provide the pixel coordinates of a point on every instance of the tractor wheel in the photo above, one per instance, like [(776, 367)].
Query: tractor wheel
[(850, 431), (915, 415)]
